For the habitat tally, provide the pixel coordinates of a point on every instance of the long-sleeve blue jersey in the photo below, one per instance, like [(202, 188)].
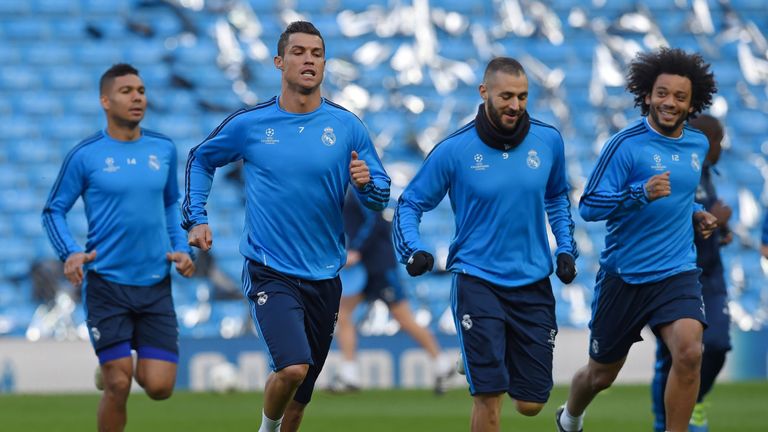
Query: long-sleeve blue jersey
[(131, 195), (646, 241), (296, 174), (500, 201)]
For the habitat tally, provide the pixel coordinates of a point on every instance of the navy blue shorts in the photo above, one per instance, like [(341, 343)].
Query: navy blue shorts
[(294, 317), (124, 317), (717, 335), (507, 336), (620, 310)]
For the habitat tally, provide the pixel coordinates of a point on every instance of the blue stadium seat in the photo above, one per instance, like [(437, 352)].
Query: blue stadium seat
[(26, 30), (14, 8), (9, 55), (98, 54), (56, 7)]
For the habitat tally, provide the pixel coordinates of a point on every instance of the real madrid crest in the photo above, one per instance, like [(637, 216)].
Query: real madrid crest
[(533, 160), (695, 162), (328, 138)]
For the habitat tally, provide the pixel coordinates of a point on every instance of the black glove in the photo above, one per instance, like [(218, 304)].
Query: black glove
[(566, 268), (420, 263)]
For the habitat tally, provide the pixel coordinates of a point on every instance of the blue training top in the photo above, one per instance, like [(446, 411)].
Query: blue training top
[(646, 242), (296, 174), (131, 198), (499, 199)]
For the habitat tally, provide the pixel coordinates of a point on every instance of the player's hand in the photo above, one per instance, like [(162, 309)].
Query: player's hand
[(705, 223), (184, 264), (726, 238), (200, 236), (358, 171), (658, 186), (566, 268), (722, 212), (73, 266), (353, 257), (420, 263)]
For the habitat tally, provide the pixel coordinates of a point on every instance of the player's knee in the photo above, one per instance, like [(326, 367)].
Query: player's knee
[(529, 409), (294, 374), (601, 380), (687, 358), (117, 384), (158, 392)]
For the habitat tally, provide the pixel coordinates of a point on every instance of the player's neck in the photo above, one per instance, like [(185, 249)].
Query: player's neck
[(123, 133), (299, 103)]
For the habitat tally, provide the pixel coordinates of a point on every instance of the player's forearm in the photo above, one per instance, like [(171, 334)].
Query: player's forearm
[(405, 231), (55, 226), (559, 214), (375, 194), (599, 206), (196, 189)]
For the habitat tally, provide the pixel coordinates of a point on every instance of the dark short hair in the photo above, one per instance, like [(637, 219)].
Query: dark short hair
[(646, 68), (297, 27), (503, 64), (117, 70)]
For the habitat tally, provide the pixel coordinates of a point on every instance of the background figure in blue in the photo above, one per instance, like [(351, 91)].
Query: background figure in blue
[(717, 341), (644, 185), (372, 274), (505, 174), (126, 176), (300, 153)]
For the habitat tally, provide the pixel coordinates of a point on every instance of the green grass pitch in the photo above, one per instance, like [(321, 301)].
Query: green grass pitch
[(741, 407)]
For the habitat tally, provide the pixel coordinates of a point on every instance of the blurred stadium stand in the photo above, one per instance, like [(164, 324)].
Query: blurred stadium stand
[(408, 68)]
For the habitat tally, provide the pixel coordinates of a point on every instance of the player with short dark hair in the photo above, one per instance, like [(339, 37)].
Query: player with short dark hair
[(300, 153), (643, 186), (126, 176), (505, 175)]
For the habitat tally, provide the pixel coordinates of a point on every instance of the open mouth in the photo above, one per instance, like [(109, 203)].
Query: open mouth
[(308, 73), (667, 115)]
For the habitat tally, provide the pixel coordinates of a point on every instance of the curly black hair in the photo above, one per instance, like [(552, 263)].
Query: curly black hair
[(646, 67)]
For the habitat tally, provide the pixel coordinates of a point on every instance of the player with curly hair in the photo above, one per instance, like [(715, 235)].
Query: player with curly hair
[(643, 186)]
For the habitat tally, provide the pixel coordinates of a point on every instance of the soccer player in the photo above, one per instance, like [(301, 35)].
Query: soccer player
[(717, 341), (505, 174), (126, 176), (644, 185), (370, 252), (300, 153)]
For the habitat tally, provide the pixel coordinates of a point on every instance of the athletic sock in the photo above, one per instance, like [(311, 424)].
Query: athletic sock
[(269, 425), (569, 422)]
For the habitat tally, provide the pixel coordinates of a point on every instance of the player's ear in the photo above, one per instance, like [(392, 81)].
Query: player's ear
[(483, 92), (278, 62), (104, 100)]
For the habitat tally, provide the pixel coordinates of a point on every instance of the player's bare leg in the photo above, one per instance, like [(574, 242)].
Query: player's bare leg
[(443, 368), (486, 412), (587, 382), (348, 375), (117, 376), (156, 377), (684, 340), (293, 416), (401, 311), (280, 389), (529, 409)]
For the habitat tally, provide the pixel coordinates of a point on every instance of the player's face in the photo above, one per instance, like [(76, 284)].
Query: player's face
[(302, 63), (670, 103), (505, 96), (124, 101)]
